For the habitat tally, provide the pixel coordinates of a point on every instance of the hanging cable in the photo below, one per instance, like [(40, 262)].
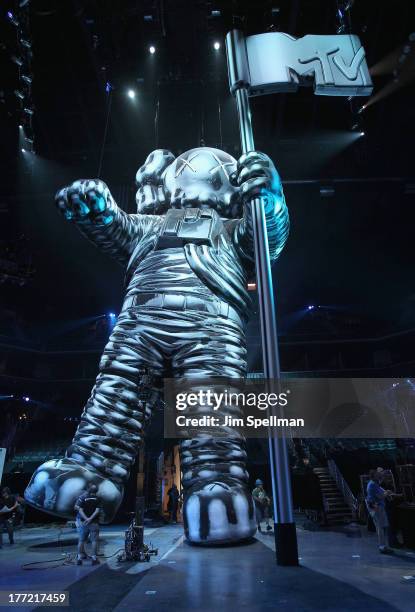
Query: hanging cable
[(104, 140), (157, 118), (220, 122)]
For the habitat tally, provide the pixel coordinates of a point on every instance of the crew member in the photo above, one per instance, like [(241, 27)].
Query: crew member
[(173, 503), (262, 504), (375, 500), (8, 507), (88, 508)]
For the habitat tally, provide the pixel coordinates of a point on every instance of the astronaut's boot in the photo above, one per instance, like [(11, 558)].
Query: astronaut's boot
[(102, 452), (218, 506)]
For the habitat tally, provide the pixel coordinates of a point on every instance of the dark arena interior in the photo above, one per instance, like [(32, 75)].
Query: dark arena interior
[(97, 516)]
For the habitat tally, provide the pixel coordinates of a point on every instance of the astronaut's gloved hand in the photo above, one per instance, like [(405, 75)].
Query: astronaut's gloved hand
[(257, 176), (86, 201)]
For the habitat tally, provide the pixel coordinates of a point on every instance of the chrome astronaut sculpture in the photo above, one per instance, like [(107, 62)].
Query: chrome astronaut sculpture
[(188, 253)]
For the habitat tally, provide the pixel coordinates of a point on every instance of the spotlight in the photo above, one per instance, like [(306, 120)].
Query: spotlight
[(28, 110), (20, 126), (17, 60), (216, 45), (23, 150), (131, 94), (26, 399), (25, 43), (12, 18), (108, 86), (326, 191), (27, 79), (152, 49), (19, 94), (111, 315), (310, 307), (362, 133)]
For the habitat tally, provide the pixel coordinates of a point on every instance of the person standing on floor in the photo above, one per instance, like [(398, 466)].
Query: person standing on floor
[(88, 509), (8, 507), (173, 503), (262, 504), (375, 501)]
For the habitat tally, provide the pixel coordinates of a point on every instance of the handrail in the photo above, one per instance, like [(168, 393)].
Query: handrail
[(342, 485)]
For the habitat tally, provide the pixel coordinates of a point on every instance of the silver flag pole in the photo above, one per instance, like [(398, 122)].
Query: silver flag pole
[(284, 525)]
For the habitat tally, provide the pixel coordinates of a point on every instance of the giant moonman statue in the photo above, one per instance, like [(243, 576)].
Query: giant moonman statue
[(188, 253)]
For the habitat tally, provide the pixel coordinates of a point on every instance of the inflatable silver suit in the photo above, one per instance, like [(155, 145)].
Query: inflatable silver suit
[(188, 253)]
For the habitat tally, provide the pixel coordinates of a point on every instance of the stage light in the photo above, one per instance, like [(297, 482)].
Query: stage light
[(216, 45), (26, 399), (362, 133), (327, 191), (28, 110), (111, 315), (108, 86), (19, 94), (152, 49), (17, 60), (215, 13), (131, 94), (20, 126), (12, 18), (310, 307), (23, 150), (25, 43), (27, 79)]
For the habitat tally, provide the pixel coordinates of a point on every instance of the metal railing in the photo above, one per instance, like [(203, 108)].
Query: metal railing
[(343, 487)]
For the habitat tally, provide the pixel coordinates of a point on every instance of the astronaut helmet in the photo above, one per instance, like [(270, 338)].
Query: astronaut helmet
[(200, 178)]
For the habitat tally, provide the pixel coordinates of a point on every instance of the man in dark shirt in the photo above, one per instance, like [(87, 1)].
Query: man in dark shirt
[(173, 503), (8, 507), (88, 508)]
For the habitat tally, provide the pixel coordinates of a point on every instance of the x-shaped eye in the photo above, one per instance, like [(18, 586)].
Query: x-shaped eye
[(221, 165), (186, 164)]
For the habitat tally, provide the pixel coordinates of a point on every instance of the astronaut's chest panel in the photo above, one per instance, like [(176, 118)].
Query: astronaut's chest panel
[(189, 225)]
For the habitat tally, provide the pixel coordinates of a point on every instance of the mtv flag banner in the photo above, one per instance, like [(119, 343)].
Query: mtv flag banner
[(277, 62), (2, 460)]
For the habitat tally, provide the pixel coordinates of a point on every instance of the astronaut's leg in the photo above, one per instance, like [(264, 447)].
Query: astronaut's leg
[(111, 428), (218, 505)]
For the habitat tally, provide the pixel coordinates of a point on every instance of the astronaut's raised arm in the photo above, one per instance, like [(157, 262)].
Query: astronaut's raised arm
[(90, 205)]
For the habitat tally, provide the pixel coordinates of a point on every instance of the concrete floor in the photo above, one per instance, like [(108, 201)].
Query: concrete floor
[(340, 571)]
